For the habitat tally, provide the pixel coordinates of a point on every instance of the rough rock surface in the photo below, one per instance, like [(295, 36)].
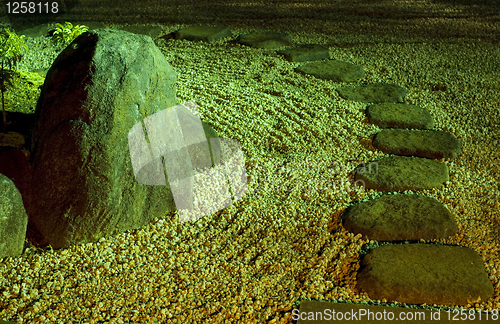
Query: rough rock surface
[(335, 70), (203, 33), (400, 217), (401, 115), (425, 273), (13, 219), (305, 52), (373, 92), (83, 185), (424, 143), (399, 173), (265, 39)]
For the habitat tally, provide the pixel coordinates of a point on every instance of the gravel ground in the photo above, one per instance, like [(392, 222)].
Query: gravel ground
[(282, 242)]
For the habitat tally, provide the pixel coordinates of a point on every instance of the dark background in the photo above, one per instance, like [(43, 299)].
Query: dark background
[(478, 19)]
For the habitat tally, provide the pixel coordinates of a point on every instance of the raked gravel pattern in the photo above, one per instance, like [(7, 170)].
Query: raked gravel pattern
[(283, 241)]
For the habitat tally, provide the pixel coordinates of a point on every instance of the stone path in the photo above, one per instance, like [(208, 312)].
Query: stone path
[(414, 273), (440, 274)]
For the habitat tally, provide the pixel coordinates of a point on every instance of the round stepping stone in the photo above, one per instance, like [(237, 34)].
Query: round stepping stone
[(399, 173), (400, 217), (203, 33), (265, 39), (424, 143), (373, 92), (401, 115), (335, 70), (425, 273), (307, 52)]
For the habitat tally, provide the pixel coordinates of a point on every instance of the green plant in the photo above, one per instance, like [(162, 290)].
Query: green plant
[(12, 49), (63, 35)]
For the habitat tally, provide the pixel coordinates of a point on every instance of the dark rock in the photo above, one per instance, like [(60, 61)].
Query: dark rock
[(399, 173), (307, 52), (83, 184), (265, 39), (424, 143), (13, 219), (400, 217), (425, 274), (203, 33), (11, 139), (14, 164), (334, 70), (401, 115), (374, 92)]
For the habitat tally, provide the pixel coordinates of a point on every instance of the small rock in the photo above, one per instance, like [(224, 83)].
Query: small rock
[(13, 219)]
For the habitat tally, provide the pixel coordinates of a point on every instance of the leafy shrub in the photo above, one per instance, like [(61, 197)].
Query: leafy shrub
[(63, 35)]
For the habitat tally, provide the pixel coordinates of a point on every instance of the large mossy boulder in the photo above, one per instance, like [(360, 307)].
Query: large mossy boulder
[(83, 185)]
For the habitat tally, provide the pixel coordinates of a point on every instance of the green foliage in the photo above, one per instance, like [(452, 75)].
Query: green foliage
[(63, 35), (12, 49)]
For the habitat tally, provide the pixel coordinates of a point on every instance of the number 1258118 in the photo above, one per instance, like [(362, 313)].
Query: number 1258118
[(32, 7)]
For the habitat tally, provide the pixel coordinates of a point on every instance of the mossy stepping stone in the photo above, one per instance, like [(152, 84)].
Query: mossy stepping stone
[(400, 217), (306, 52), (373, 92), (425, 143), (335, 70), (148, 30), (399, 173), (203, 33), (425, 274), (266, 39), (401, 115)]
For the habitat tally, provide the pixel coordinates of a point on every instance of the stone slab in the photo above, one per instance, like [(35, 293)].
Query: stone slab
[(335, 70), (400, 217), (401, 115), (203, 33), (424, 143), (373, 92), (399, 173), (306, 52), (266, 39)]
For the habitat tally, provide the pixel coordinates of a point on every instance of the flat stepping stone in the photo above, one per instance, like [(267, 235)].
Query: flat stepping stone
[(265, 39), (203, 33), (335, 70), (148, 30), (424, 143), (401, 115), (373, 92), (425, 273), (399, 173), (307, 52), (400, 217)]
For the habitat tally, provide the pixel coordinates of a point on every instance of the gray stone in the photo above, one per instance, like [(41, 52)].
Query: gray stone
[(265, 39), (306, 52), (334, 70), (207, 34), (425, 274), (83, 184), (424, 143), (373, 92), (401, 115), (400, 217), (13, 219), (399, 173)]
